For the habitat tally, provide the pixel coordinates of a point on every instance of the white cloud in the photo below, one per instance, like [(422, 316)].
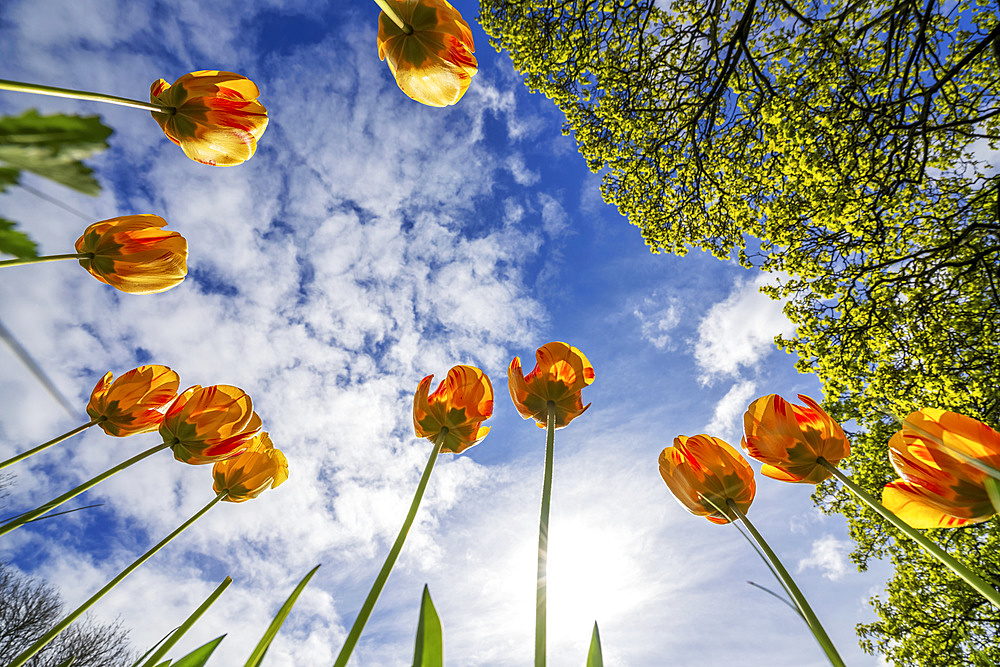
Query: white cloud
[(739, 331), (727, 420), (657, 321), (522, 175), (553, 215), (829, 555)]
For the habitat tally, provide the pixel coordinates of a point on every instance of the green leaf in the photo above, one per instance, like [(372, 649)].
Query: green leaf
[(8, 177), (258, 653), (67, 662), (13, 242), (199, 656), (594, 657), (173, 637), (429, 648), (52, 147)]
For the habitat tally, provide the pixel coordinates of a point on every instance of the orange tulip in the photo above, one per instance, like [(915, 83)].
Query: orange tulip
[(701, 470), (249, 474), (434, 64), (461, 403), (209, 424), (135, 402), (560, 374), (134, 254), (217, 119), (788, 439), (936, 489)]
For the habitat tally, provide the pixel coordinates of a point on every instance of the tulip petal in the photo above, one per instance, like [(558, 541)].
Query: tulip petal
[(906, 501)]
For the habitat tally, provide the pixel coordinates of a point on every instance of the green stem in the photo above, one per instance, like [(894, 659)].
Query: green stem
[(48, 258), (397, 546), (543, 537), (954, 565), (46, 445), (53, 91), (394, 15), (800, 601), (59, 627), (69, 495)]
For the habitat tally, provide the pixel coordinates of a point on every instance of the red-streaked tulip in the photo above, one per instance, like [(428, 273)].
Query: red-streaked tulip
[(788, 439), (249, 474), (134, 254), (936, 489), (461, 403), (217, 119), (701, 470), (135, 402), (560, 374), (209, 424), (434, 64)]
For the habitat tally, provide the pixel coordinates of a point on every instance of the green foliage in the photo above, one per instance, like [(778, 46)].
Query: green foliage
[(52, 147), (13, 242), (428, 649), (839, 147), (199, 656), (155, 654), (594, 657), (260, 650)]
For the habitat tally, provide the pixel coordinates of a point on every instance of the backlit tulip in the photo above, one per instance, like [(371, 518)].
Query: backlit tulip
[(461, 403), (936, 489), (788, 439), (560, 374), (209, 424), (249, 474), (134, 254), (217, 119), (434, 64), (135, 402), (703, 472)]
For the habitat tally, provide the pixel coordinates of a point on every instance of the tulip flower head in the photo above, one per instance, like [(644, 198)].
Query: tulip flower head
[(134, 254), (936, 489), (135, 402), (216, 117), (788, 439), (704, 472), (209, 424), (461, 403), (249, 474), (559, 376), (433, 64)]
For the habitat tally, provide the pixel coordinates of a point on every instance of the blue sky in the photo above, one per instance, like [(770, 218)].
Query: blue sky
[(369, 242)]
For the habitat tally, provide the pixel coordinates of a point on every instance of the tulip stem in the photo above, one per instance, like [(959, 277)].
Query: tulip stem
[(53, 91), (69, 495), (970, 577), (394, 15), (397, 546), (800, 601), (46, 445), (48, 258), (61, 625), (543, 536)]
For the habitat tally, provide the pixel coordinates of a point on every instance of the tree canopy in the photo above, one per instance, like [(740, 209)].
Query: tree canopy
[(843, 147)]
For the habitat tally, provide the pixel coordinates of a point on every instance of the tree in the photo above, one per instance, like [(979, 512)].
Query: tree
[(29, 608), (837, 147)]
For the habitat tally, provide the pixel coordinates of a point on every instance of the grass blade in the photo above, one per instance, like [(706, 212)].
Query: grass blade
[(429, 648), (258, 653)]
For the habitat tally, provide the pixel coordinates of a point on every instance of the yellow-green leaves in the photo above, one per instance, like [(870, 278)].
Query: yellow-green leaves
[(594, 656), (428, 649)]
